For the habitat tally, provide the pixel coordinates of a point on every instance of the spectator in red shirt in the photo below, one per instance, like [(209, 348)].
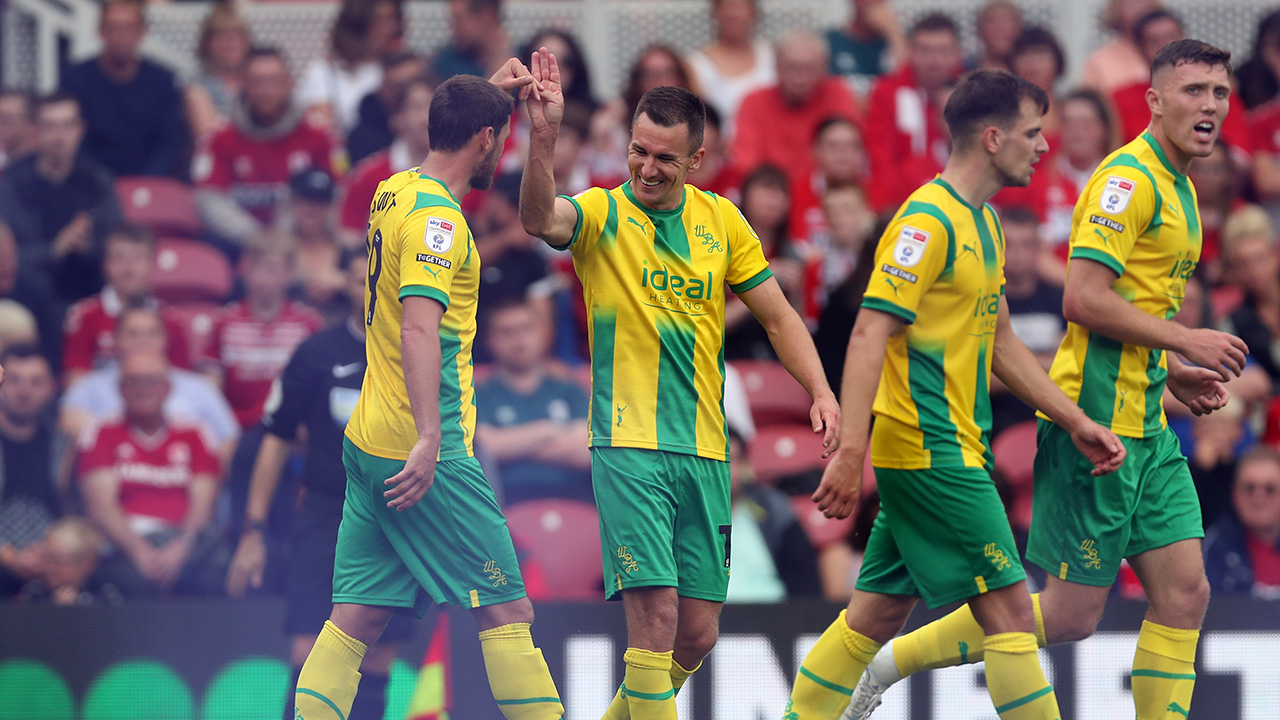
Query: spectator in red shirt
[(905, 119), (243, 171), (409, 114), (150, 486), (776, 124), (254, 337), (1151, 32), (716, 174), (89, 336), (999, 24), (840, 158)]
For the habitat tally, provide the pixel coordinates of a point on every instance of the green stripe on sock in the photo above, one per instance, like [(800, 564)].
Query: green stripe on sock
[(327, 701), (1164, 675), (529, 701), (1024, 700), (656, 697), (826, 683)]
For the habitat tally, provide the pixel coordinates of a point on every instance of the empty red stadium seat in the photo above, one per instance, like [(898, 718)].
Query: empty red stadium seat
[(822, 530), (190, 271), (164, 205), (197, 321), (774, 396), (1015, 453), (564, 537), (781, 450)]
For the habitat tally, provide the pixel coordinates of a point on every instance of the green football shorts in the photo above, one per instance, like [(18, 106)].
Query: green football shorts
[(451, 547), (664, 521), (1083, 526), (942, 535)]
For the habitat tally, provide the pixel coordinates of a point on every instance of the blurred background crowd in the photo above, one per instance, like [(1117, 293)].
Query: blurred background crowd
[(167, 243)]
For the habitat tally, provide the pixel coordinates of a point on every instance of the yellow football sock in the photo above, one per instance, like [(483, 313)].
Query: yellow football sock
[(1016, 681), (329, 678), (618, 708), (829, 672), (956, 639), (518, 675), (1164, 673), (647, 685)]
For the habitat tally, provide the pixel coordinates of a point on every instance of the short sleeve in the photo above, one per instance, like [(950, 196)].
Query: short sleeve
[(911, 255), (1116, 208), (434, 245), (593, 208), (747, 266), (286, 403)]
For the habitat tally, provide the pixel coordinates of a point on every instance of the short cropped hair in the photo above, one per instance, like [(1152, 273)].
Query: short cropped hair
[(1182, 52), (1034, 38), (935, 22), (462, 106), (131, 233), (21, 351), (259, 52), (988, 97), (669, 106)]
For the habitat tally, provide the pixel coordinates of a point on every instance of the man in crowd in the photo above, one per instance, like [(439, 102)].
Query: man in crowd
[(90, 332), (132, 105), (17, 131), (33, 292), (30, 455), (150, 487), (193, 399), (374, 130), (243, 172), (59, 203), (1242, 550), (479, 42), (531, 422)]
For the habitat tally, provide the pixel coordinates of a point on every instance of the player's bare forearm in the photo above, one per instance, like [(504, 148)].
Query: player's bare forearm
[(201, 496), (1021, 372), (272, 454), (864, 362), (568, 447), (542, 214)]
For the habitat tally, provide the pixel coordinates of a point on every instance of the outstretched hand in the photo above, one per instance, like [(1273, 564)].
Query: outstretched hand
[(513, 75), (546, 101)]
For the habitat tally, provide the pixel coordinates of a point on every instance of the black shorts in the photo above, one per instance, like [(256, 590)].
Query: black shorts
[(310, 575)]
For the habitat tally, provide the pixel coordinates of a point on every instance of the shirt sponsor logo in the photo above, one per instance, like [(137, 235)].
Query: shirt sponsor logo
[(910, 247), (442, 262), (898, 273), (1106, 222), (439, 235), (1116, 194)]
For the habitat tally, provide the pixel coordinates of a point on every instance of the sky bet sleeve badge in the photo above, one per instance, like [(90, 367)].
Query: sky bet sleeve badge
[(1115, 196), (439, 236), (910, 247)]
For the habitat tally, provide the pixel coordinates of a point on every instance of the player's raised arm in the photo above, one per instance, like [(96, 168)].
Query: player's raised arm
[(1020, 371), (543, 214)]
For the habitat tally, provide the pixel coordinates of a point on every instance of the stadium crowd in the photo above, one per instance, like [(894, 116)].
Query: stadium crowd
[(166, 245)]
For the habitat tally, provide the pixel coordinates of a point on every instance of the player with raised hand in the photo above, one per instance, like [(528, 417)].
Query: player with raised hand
[(1135, 242), (934, 326), (654, 256), (420, 523)]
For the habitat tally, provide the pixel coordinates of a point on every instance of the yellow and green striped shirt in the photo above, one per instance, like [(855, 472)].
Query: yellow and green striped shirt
[(1138, 216), (654, 284), (419, 244), (940, 267)]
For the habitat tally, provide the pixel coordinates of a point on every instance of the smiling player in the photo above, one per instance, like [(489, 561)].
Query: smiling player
[(933, 327), (654, 256), (1135, 242)]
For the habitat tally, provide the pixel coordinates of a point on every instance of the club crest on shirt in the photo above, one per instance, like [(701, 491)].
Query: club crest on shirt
[(439, 235), (1116, 194), (910, 247)]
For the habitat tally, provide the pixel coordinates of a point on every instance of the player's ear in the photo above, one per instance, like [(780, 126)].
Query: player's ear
[(1153, 100), (488, 136), (696, 160), (992, 137)]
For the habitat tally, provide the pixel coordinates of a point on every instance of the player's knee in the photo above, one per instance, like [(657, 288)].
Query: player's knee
[(1072, 628), (697, 643)]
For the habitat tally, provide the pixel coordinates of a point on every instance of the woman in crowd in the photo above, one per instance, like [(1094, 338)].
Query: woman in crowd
[(331, 88), (224, 44), (735, 62)]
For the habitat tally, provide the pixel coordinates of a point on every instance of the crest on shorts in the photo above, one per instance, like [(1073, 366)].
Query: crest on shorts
[(1116, 194), (910, 247), (439, 236)]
